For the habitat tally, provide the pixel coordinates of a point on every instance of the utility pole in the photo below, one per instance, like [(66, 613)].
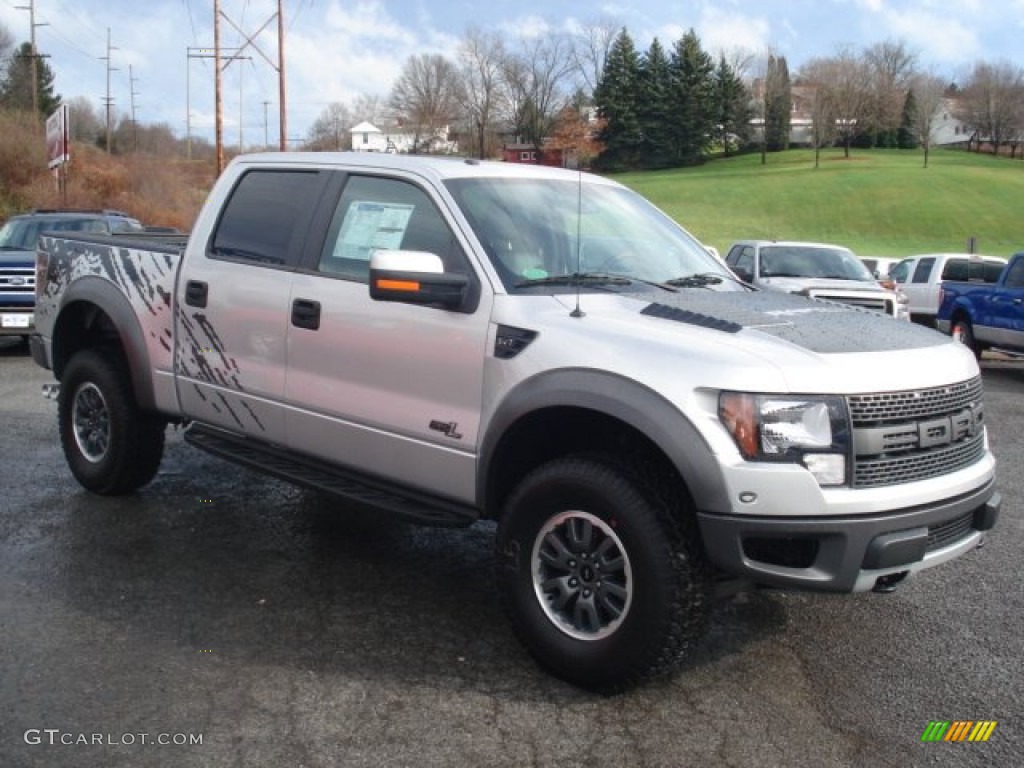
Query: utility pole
[(108, 101), (280, 75), (33, 53), (279, 66), (133, 94), (266, 143), (216, 87)]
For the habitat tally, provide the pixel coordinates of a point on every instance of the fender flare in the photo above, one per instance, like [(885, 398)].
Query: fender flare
[(623, 399), (108, 299)]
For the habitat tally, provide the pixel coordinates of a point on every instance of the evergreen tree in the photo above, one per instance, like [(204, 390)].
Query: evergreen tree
[(778, 104), (16, 84), (692, 100), (907, 134), (732, 113), (654, 109), (616, 100)]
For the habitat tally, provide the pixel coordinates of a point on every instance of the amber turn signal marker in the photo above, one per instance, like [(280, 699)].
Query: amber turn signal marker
[(398, 285), (738, 412)]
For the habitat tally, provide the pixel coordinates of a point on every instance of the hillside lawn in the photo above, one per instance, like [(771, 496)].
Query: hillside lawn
[(877, 202)]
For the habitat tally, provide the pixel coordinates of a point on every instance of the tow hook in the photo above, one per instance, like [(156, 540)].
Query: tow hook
[(50, 391), (889, 582)]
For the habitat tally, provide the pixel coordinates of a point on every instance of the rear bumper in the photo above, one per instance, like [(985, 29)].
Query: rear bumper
[(848, 554)]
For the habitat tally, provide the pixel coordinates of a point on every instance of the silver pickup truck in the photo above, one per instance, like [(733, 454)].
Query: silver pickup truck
[(453, 341)]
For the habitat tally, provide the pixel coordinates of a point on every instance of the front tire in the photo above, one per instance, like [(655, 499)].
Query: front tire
[(597, 576), (111, 447), (963, 333)]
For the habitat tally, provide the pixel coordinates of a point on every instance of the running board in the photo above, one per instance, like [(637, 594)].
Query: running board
[(302, 470)]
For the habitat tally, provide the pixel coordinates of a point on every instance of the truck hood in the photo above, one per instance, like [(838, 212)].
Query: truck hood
[(17, 258), (818, 326), (797, 284)]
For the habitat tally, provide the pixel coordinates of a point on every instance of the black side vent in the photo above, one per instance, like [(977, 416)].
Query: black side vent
[(665, 312), (510, 341)]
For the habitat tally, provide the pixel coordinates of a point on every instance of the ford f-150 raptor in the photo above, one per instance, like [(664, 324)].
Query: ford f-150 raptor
[(453, 340)]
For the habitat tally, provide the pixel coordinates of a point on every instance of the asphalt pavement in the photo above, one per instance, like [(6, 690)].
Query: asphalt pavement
[(221, 618)]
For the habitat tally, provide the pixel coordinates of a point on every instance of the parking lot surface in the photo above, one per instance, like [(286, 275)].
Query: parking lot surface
[(221, 618)]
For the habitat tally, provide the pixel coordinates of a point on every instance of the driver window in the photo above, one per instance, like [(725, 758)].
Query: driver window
[(378, 213)]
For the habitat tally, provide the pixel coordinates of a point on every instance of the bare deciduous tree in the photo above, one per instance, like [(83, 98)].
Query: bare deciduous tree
[(591, 48), (481, 58), (929, 95), (991, 103), (330, 131), (843, 95), (889, 66), (535, 80), (428, 95)]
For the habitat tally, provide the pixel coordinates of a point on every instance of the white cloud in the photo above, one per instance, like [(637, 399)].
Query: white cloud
[(731, 30)]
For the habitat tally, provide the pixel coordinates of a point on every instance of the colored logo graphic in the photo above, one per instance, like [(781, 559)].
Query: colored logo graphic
[(958, 730)]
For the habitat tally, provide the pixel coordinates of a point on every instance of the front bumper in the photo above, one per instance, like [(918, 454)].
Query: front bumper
[(848, 554)]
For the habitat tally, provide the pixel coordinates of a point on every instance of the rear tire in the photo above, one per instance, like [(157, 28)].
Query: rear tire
[(111, 447), (963, 333), (597, 578)]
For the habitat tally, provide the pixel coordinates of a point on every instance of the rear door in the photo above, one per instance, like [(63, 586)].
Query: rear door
[(233, 300), (385, 388), (1006, 308)]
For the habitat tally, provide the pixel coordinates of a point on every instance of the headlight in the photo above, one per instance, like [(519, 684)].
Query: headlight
[(812, 431)]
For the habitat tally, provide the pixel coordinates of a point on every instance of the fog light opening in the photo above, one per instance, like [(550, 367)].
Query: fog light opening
[(889, 582)]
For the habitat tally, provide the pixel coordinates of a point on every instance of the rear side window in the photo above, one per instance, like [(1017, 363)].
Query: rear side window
[(955, 269), (923, 269), (264, 220)]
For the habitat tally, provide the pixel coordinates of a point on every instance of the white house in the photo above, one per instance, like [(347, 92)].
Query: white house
[(367, 137)]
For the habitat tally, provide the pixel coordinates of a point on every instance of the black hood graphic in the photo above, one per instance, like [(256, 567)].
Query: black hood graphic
[(825, 327)]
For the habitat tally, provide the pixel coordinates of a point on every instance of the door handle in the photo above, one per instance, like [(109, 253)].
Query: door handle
[(196, 293), (306, 314)]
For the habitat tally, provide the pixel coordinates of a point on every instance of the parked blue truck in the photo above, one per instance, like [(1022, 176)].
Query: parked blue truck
[(983, 315)]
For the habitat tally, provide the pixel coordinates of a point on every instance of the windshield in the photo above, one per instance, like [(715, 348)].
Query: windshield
[(812, 261), (536, 231), (18, 234), (22, 234)]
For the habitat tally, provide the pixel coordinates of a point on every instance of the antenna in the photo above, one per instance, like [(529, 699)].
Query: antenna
[(577, 312)]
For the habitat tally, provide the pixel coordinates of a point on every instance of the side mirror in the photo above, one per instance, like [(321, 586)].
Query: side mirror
[(416, 277), (743, 274)]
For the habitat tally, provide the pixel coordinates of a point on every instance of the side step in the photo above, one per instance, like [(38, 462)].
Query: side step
[(302, 470)]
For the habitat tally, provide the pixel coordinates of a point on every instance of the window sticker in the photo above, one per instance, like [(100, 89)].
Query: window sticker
[(371, 225)]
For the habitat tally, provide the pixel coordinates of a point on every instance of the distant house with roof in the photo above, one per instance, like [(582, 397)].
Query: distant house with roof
[(396, 138)]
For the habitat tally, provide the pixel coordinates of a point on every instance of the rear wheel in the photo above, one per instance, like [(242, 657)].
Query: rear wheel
[(596, 575), (963, 333), (110, 446)]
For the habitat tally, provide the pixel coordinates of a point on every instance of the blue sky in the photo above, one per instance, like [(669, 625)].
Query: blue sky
[(337, 49)]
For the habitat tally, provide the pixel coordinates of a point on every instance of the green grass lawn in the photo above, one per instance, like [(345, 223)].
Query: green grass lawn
[(877, 202)]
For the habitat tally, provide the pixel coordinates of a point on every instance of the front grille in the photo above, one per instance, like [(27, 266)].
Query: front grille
[(909, 467), (902, 437), (886, 407), (943, 534), (875, 303), (16, 283)]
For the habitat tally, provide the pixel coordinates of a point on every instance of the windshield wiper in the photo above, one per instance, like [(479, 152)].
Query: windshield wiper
[(577, 278), (703, 280)]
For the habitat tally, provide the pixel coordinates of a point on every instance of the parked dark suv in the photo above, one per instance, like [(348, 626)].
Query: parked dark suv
[(18, 256)]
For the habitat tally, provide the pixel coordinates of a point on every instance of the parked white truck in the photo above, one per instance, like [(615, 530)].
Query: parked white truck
[(453, 341)]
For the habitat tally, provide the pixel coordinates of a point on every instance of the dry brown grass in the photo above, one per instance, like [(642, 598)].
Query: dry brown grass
[(156, 190)]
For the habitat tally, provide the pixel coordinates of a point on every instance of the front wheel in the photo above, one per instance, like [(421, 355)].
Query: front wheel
[(963, 333), (111, 447), (597, 577)]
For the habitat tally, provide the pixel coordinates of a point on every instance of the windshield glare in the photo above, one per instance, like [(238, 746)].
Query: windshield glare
[(534, 229), (805, 261)]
